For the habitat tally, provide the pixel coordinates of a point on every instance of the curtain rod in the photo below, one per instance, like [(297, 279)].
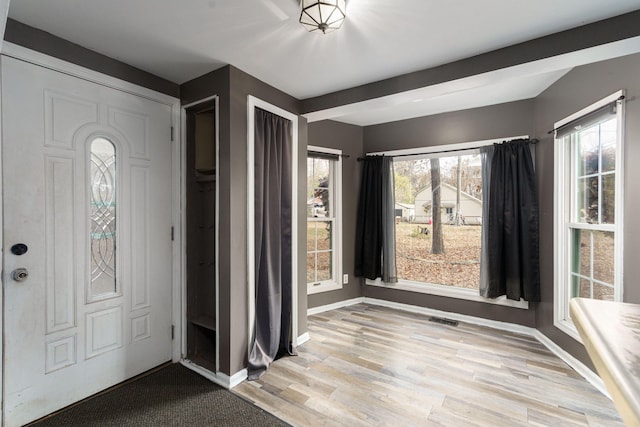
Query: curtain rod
[(320, 154), (620, 98), (533, 141)]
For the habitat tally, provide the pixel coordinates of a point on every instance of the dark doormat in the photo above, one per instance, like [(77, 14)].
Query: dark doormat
[(172, 396)]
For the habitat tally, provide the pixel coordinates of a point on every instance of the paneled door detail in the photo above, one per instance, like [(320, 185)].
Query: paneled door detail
[(87, 189)]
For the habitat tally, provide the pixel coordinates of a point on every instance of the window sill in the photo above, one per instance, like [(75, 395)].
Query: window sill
[(322, 287), (447, 291)]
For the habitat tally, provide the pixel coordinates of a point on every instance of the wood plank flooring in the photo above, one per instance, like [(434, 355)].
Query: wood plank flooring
[(373, 366)]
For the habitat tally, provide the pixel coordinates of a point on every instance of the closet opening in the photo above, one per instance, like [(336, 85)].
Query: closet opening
[(201, 235)]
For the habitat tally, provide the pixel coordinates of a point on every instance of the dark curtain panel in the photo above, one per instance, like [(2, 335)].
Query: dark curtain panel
[(513, 239), (369, 221), (272, 241)]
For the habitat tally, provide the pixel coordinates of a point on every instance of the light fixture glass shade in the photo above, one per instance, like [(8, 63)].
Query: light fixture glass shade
[(322, 15)]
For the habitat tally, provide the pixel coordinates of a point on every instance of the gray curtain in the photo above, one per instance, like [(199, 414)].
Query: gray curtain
[(389, 270), (486, 156), (375, 227), (512, 236), (273, 280)]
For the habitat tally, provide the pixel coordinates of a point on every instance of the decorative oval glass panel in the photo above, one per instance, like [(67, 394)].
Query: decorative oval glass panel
[(102, 184)]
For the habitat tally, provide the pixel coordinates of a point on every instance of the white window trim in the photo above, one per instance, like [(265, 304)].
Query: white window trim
[(445, 290), (562, 171), (336, 282)]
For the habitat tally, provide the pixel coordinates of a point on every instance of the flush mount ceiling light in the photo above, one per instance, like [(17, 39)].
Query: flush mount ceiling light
[(322, 15)]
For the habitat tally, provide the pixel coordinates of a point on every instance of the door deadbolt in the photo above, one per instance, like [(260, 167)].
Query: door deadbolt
[(20, 274), (19, 249)]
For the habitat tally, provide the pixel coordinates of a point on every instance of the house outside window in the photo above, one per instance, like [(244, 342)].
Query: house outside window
[(324, 220), (588, 208)]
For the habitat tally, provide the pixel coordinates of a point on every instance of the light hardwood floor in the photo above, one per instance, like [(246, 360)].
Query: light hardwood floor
[(367, 365)]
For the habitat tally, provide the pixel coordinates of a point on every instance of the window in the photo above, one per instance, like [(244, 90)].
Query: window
[(455, 273), (102, 184), (588, 229), (324, 236), (460, 213)]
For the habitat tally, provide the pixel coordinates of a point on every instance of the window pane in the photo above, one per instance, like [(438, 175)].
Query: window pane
[(318, 187), (311, 267), (582, 252), (608, 137), (584, 288), (460, 264), (323, 230), (435, 274), (103, 217), (588, 200), (596, 173), (588, 151), (603, 292), (603, 256), (311, 236), (608, 199), (324, 266)]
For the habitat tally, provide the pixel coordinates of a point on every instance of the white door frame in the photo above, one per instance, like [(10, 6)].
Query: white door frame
[(46, 61), (252, 103), (183, 231)]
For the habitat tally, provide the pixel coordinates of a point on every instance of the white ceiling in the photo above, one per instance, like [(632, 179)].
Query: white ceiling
[(181, 40)]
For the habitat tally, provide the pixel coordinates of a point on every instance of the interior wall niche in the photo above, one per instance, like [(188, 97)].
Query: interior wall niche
[(201, 234)]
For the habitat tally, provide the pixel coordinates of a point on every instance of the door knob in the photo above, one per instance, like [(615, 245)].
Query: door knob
[(20, 274)]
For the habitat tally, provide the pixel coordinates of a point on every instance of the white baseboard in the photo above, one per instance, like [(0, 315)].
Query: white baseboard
[(577, 365), (574, 363), (219, 378), (303, 338), (495, 324), (236, 378), (223, 379), (335, 306)]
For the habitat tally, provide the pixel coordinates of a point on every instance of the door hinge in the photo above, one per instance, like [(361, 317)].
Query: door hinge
[(173, 329), (171, 133), (172, 233)]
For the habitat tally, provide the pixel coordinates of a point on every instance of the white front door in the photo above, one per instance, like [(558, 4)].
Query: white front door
[(87, 191)]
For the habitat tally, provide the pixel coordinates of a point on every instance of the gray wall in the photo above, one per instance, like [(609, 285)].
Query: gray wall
[(478, 124), (41, 41), (576, 90), (233, 86), (349, 139)]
